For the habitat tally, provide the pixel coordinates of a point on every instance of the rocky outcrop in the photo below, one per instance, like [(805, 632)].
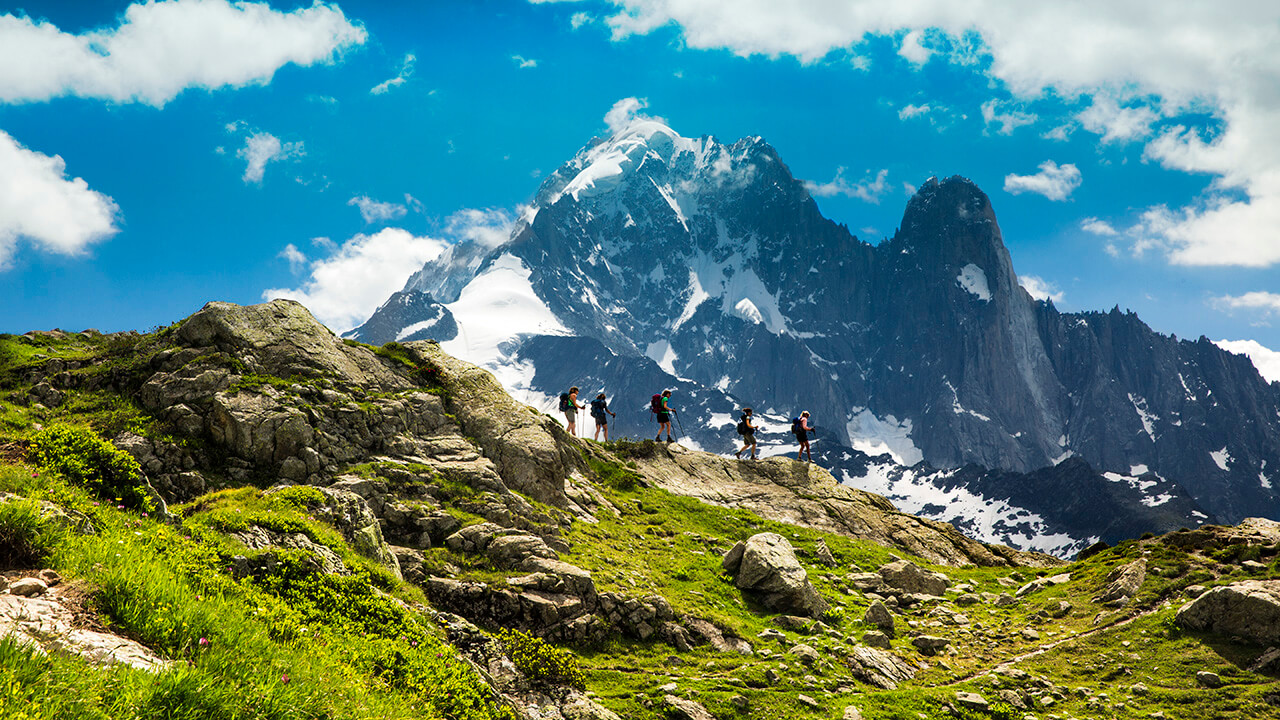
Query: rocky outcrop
[(907, 577), (45, 623), (1249, 610), (1123, 583), (766, 565), (804, 494)]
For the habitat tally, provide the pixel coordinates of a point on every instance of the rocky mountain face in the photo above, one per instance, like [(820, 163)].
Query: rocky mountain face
[(653, 261)]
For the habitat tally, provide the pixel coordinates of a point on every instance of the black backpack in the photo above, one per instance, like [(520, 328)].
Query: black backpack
[(597, 408), (796, 426), (743, 428), (564, 401)]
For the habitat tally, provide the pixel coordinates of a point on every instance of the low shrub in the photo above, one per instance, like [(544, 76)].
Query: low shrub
[(541, 662), (80, 457)]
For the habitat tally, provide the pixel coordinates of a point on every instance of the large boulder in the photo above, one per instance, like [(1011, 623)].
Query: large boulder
[(1249, 609), (766, 565), (1123, 583), (906, 577)]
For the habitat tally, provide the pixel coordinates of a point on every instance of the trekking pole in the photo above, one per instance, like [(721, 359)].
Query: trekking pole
[(678, 423)]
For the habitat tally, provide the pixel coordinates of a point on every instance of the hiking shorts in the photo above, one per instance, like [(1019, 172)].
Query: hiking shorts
[(600, 419), (749, 438), (664, 417), (571, 414), (802, 437)]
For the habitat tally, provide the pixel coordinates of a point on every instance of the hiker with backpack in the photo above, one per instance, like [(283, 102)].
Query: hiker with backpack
[(800, 428), (570, 407), (748, 432), (662, 412), (599, 407)]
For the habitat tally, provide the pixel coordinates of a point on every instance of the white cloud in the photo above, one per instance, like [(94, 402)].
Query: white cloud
[(626, 111), (868, 189), (378, 212), (261, 148), (490, 227), (406, 71), (1175, 59), (911, 111), (1008, 120), (1267, 303), (38, 203), (579, 19), (912, 50), (1098, 227), (295, 257), (1040, 289), (1117, 124), (160, 49), (523, 62), (346, 287), (1266, 360), (1054, 181)]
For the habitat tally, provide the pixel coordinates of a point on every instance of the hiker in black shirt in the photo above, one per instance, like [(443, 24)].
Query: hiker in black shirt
[(599, 407), (748, 432), (800, 428)]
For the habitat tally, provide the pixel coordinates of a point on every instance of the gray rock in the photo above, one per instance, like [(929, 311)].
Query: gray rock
[(880, 668), (681, 709), (973, 701), (823, 553), (805, 654), (877, 614), (1006, 600), (875, 638), (767, 565), (259, 538), (1268, 662), (968, 599), (907, 577), (28, 587), (49, 577), (510, 551), (808, 701), (851, 712), (929, 644), (1208, 679), (1123, 583), (1249, 609)]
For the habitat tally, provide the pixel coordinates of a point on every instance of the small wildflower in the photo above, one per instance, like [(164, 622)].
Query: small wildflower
[(204, 642), (285, 678), (144, 515)]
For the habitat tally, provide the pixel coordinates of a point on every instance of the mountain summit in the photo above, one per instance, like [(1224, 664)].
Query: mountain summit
[(651, 260)]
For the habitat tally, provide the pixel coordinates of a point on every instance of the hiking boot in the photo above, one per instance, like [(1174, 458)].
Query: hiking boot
[(669, 439), (657, 438), (738, 454)]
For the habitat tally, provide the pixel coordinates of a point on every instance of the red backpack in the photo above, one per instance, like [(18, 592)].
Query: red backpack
[(655, 405)]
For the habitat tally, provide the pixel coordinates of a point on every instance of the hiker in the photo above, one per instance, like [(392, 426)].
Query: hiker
[(570, 407), (599, 407), (662, 413), (800, 428), (748, 432)]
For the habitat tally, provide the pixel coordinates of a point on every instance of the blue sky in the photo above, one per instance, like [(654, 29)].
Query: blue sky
[(154, 157)]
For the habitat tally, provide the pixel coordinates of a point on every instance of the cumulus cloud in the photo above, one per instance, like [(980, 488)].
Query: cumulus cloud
[(1054, 181), (297, 260), (626, 111), (911, 48), (996, 113), (160, 49), (1117, 124), (1040, 289), (490, 227), (579, 19), (1266, 360), (1158, 62), (346, 287), (40, 204), (261, 148), (1265, 303), (406, 70), (374, 211), (868, 189), (911, 111), (1095, 226)]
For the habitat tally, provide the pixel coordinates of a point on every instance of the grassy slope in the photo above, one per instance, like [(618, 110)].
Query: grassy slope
[(165, 586)]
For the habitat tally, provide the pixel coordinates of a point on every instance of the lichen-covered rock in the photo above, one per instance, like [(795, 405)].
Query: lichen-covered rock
[(259, 538), (766, 564), (807, 495), (1123, 583), (877, 614), (879, 667), (907, 577), (1249, 609)]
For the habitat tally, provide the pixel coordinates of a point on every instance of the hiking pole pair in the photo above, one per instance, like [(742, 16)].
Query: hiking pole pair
[(679, 424)]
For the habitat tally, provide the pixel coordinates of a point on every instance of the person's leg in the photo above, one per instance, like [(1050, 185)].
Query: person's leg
[(606, 430), (753, 446)]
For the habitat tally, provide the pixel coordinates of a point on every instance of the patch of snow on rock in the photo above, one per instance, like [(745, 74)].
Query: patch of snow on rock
[(1221, 458), (876, 436), (973, 279)]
